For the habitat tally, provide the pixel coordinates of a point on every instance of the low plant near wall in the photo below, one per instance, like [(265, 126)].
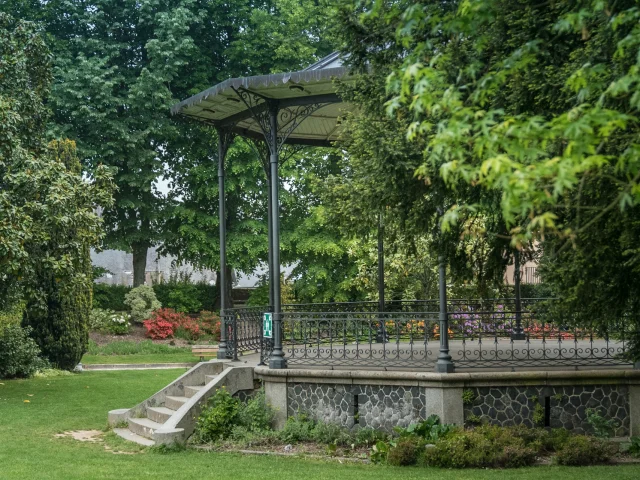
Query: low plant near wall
[(229, 424)]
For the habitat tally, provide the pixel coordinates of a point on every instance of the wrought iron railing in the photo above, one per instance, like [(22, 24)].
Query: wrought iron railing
[(244, 331), (481, 333)]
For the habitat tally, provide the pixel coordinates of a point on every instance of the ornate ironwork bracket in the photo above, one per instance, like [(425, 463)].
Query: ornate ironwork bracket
[(288, 118)]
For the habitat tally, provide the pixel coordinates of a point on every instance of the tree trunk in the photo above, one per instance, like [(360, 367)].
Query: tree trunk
[(229, 298), (139, 263)]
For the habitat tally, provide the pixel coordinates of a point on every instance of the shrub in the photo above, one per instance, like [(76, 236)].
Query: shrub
[(184, 296), (188, 299), (60, 328), (256, 415), (19, 353), (634, 448), (405, 452), (327, 432), (108, 321), (486, 446), (167, 323), (430, 429), (142, 302), (110, 297), (162, 323), (602, 427), (369, 436), (583, 450), (218, 420), (210, 324), (297, 429), (187, 329)]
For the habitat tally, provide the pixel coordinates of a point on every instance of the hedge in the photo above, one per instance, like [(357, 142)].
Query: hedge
[(181, 296)]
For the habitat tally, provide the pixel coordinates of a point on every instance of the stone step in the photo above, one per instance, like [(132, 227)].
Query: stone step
[(159, 414), (208, 378), (175, 403), (143, 426), (132, 437), (191, 391)]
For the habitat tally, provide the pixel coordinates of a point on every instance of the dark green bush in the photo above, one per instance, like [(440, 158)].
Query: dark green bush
[(369, 436), (405, 452), (582, 450), (61, 328), (217, 421), (297, 429), (327, 432), (110, 297), (186, 297), (486, 446), (256, 415), (181, 296), (19, 353)]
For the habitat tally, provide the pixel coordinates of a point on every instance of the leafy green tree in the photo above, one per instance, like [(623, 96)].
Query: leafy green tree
[(537, 102), (48, 219), (377, 176), (270, 41)]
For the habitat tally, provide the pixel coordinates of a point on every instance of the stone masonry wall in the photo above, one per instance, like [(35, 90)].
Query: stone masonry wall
[(379, 407), (557, 406)]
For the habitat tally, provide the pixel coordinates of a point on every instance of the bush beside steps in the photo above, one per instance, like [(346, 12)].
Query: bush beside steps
[(229, 424)]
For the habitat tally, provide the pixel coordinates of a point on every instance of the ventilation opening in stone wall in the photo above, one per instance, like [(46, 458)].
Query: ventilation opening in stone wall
[(356, 409), (547, 411)]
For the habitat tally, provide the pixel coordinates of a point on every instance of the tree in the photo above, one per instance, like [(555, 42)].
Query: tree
[(269, 41), (48, 219), (120, 65), (537, 102), (378, 178)]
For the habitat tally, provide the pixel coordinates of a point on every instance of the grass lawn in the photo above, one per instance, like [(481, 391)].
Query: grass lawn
[(140, 358), (80, 402), (137, 352)]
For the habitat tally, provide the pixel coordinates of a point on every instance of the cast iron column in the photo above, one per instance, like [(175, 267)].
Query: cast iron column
[(222, 281), (444, 363), (518, 332), (381, 333), (269, 233), (277, 359)]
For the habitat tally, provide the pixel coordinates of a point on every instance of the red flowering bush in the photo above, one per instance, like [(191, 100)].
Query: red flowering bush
[(163, 323), (210, 324), (188, 329), (158, 329), (167, 323)]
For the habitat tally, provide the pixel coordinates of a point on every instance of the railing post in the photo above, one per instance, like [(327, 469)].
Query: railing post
[(444, 363), (277, 360), (518, 332), (381, 334)]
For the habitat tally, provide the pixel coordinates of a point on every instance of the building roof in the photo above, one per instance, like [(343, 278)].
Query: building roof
[(221, 104)]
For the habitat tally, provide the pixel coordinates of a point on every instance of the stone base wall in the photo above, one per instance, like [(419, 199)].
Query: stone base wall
[(549, 406), (384, 400), (375, 406)]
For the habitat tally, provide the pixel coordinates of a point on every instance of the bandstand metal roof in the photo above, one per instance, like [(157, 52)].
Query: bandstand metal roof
[(222, 105)]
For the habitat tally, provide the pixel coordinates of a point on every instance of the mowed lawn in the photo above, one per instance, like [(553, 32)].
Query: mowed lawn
[(28, 449)]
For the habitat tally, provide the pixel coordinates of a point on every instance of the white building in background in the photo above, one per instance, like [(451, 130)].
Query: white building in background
[(159, 269)]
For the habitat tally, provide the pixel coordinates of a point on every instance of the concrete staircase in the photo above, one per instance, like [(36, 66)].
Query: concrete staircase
[(171, 414)]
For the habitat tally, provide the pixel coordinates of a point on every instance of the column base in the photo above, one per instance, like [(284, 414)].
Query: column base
[(443, 366), (222, 354), (518, 336), (277, 363)]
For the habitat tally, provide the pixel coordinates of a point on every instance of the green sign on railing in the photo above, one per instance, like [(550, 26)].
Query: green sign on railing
[(267, 325)]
